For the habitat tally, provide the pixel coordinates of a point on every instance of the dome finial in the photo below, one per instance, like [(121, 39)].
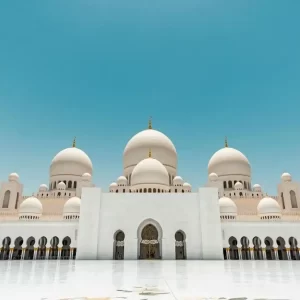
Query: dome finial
[(226, 142), (150, 153), (150, 123), (74, 142)]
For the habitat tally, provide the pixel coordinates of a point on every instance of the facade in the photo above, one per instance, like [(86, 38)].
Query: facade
[(150, 212)]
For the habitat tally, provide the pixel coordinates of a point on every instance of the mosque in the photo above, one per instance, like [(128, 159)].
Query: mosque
[(150, 212)]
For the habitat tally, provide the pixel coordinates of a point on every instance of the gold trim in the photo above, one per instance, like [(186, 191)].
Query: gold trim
[(226, 142), (74, 142)]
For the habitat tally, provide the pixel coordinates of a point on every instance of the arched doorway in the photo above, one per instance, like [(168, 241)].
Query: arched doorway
[(119, 245), (180, 250), (282, 254), (294, 249), (245, 248), (4, 255), (17, 252), (270, 253), (149, 245), (66, 249), (233, 248), (258, 254), (41, 252), (29, 251), (53, 254)]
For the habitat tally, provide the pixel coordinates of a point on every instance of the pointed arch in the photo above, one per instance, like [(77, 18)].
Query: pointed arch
[(17, 200), (293, 198), (6, 199)]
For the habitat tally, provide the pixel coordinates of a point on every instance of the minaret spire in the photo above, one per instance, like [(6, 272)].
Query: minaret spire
[(150, 123), (74, 142), (150, 153), (226, 142)]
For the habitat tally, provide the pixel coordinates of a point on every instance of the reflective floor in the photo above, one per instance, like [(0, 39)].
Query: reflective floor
[(150, 279)]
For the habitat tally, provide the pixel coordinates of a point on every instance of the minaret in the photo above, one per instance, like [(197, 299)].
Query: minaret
[(74, 142), (150, 123), (226, 143)]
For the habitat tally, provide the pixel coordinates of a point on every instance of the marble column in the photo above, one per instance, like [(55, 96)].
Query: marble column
[(35, 253), (288, 252), (11, 250), (276, 253), (264, 253), (251, 252), (23, 253)]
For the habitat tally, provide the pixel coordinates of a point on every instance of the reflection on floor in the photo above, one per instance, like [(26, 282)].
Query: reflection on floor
[(146, 280)]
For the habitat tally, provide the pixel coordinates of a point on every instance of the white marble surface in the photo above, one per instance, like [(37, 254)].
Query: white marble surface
[(168, 279)]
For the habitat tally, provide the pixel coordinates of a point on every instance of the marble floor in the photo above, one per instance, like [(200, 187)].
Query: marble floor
[(143, 280)]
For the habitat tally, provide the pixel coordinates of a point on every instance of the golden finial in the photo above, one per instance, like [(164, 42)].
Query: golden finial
[(150, 153), (74, 142), (226, 142), (150, 123)]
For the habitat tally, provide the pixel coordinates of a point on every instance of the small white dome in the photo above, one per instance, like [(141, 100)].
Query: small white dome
[(150, 171), (187, 187), (256, 188), (285, 177), (122, 180), (61, 186), (72, 206), (238, 186), (31, 206), (113, 184), (43, 188), (227, 206), (13, 177), (178, 181), (213, 177), (268, 206), (86, 177)]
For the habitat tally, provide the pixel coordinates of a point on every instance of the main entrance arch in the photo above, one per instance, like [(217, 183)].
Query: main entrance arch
[(149, 245)]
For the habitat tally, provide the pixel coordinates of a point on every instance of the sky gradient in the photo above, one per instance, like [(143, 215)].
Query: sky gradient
[(98, 69)]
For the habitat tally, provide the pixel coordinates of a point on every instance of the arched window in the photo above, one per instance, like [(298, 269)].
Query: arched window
[(6, 199), (293, 199), (54, 186), (224, 184), (145, 190), (149, 190), (58, 194), (69, 184), (230, 184), (245, 185), (282, 200), (17, 201), (75, 184)]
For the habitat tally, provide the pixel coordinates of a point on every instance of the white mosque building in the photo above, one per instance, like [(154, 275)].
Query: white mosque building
[(150, 212)]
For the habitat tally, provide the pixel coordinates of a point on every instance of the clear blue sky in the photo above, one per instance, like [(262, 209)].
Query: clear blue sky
[(98, 69)]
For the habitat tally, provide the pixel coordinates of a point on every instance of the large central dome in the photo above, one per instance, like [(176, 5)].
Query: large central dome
[(161, 146)]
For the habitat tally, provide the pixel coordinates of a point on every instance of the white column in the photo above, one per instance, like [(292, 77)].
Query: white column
[(251, 251), (59, 251), (11, 250), (288, 252), (35, 253), (264, 253), (23, 253), (276, 253)]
